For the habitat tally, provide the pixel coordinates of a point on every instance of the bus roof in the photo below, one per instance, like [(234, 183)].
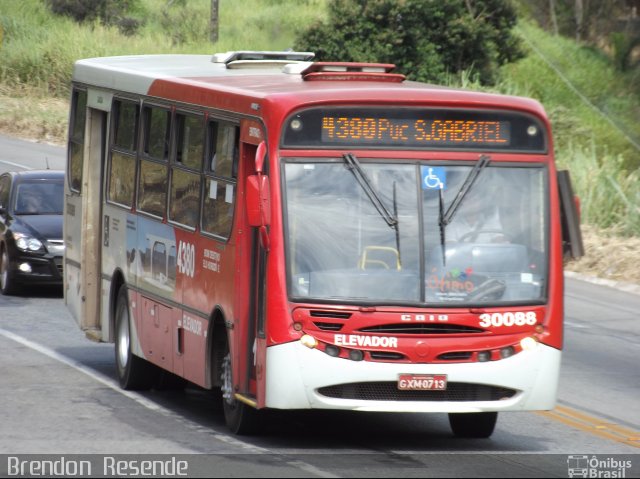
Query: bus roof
[(198, 80)]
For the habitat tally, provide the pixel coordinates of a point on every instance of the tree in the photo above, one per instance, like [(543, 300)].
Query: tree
[(109, 12), (213, 23), (427, 40)]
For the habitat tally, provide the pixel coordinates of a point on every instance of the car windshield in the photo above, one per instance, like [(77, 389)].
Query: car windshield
[(340, 246), (40, 197)]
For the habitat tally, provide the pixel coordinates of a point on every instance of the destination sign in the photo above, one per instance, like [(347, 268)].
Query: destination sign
[(425, 131), (414, 129)]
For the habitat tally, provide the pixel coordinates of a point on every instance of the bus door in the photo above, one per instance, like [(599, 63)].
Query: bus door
[(87, 215), (251, 343)]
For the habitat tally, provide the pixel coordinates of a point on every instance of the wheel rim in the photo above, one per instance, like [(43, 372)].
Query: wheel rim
[(123, 337), (227, 381)]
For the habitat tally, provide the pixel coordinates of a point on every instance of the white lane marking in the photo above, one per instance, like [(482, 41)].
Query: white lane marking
[(15, 164), (310, 469), (112, 384)]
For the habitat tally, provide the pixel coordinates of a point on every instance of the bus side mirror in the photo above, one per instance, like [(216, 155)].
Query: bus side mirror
[(258, 200), (570, 217), (258, 196)]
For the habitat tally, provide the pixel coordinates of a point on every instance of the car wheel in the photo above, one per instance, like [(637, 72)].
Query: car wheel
[(134, 373), (7, 283)]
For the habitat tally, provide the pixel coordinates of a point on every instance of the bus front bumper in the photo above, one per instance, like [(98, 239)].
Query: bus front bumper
[(302, 378)]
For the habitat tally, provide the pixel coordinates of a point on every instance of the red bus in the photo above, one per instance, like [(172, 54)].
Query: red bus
[(309, 235)]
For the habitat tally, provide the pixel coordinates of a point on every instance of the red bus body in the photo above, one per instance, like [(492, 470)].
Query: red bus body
[(194, 294)]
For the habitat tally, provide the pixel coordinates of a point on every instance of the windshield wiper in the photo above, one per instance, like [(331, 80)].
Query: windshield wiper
[(444, 218), (353, 165)]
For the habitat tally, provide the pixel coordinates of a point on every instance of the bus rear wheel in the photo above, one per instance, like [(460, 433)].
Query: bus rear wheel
[(134, 373), (239, 417), (473, 425)]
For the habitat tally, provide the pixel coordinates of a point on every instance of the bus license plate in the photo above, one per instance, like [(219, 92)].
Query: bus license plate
[(422, 382)]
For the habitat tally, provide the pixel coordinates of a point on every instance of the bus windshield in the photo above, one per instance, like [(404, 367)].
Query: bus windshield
[(343, 245)]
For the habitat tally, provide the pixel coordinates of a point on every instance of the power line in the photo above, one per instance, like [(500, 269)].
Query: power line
[(577, 92)]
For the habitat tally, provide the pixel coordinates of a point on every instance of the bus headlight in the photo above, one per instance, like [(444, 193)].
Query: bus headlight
[(309, 341), (529, 343), (27, 243)]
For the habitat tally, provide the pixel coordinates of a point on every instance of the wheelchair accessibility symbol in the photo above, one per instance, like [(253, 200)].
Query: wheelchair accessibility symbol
[(433, 177)]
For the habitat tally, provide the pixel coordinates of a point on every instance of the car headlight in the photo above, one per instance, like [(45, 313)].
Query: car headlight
[(27, 243)]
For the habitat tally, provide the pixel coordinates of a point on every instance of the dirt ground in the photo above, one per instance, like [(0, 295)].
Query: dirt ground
[(608, 256)]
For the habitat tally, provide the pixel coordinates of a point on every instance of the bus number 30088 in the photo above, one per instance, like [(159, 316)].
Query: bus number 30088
[(519, 318), (186, 258)]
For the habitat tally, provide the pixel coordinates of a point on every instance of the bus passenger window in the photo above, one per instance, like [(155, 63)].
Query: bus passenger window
[(189, 141), (217, 215), (156, 132), (184, 203), (223, 149), (221, 171), (76, 139), (121, 178), (152, 187), (126, 123)]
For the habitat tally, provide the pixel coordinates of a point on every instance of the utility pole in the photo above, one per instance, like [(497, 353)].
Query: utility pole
[(213, 24)]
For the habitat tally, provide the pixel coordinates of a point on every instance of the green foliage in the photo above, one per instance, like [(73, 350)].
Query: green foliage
[(428, 40), (609, 193), (584, 96), (110, 12)]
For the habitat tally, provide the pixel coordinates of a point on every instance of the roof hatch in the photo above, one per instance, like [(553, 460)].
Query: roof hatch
[(260, 59)]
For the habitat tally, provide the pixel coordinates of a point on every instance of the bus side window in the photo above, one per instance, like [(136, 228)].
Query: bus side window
[(156, 132), (152, 181), (189, 141), (76, 139), (223, 149), (122, 157), (184, 200), (220, 178)]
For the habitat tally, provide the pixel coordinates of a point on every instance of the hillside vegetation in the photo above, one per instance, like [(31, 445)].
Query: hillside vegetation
[(594, 110)]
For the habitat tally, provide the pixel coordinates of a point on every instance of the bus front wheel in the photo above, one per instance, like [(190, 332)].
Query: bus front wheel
[(239, 417), (473, 425), (134, 373)]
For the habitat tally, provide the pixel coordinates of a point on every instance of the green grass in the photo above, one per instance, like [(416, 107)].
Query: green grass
[(39, 48), (594, 110)]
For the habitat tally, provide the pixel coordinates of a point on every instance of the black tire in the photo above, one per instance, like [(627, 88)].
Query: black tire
[(134, 373), (7, 283), (473, 425), (167, 381), (240, 418)]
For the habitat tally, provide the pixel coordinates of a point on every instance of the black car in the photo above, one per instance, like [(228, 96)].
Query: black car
[(31, 242)]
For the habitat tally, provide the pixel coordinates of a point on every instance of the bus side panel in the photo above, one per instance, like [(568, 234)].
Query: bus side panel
[(116, 258), (204, 282)]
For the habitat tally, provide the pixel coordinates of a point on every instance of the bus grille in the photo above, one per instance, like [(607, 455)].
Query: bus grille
[(413, 328), (328, 326), (388, 391)]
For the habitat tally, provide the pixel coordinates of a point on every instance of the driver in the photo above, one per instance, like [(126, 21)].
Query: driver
[(477, 219)]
